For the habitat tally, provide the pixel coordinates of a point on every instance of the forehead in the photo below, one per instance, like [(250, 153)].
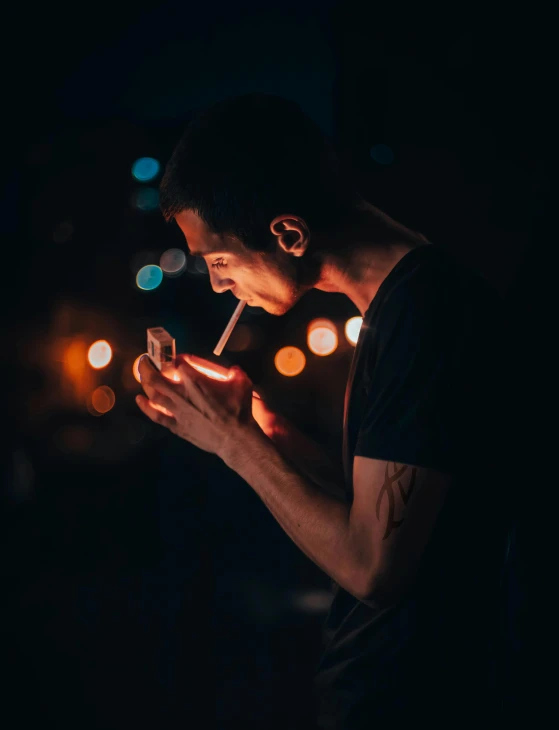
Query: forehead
[(199, 239)]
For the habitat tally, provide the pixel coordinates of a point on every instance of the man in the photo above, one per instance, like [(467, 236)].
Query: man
[(412, 534)]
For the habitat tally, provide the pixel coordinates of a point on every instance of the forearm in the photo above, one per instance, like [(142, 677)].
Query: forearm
[(308, 457), (316, 522)]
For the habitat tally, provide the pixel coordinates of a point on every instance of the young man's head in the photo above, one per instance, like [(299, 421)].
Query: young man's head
[(257, 191)]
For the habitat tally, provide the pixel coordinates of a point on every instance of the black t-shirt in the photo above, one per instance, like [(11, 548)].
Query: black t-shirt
[(424, 390)]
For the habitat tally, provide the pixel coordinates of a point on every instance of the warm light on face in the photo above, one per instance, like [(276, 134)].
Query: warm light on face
[(322, 337), (290, 361), (352, 329), (102, 399), (99, 354)]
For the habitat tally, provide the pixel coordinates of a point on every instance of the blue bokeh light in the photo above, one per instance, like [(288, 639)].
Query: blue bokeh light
[(145, 169), (146, 199), (149, 277), (382, 154)]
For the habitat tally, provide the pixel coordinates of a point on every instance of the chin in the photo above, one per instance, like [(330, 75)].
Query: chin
[(277, 308)]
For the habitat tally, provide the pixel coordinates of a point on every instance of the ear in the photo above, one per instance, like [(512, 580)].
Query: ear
[(292, 233)]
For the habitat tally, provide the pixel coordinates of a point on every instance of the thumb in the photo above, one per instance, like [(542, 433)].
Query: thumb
[(236, 371)]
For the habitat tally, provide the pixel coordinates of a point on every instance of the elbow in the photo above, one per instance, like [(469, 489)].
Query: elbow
[(379, 590)]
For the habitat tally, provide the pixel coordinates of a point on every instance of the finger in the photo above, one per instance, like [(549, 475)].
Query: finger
[(152, 380), (145, 367), (193, 384), (163, 401), (154, 414), (153, 393), (150, 374)]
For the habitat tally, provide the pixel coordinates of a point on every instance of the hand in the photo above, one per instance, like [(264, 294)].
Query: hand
[(211, 414), (263, 416)]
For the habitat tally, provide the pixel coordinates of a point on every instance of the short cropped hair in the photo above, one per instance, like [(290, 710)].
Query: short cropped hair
[(245, 160)]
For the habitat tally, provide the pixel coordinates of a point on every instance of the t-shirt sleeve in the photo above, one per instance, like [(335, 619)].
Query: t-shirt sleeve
[(411, 377)]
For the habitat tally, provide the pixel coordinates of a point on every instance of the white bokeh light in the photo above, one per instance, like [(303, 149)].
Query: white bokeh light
[(352, 329)]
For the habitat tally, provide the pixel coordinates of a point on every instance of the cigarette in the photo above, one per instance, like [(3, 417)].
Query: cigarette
[(227, 332)]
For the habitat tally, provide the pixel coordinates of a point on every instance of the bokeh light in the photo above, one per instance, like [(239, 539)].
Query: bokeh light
[(352, 329), (200, 265), (145, 199), (322, 337), (242, 338), (149, 277), (145, 169), (102, 400), (73, 439), (63, 232), (290, 361), (173, 261), (312, 601), (136, 431), (99, 354), (382, 154), (136, 367)]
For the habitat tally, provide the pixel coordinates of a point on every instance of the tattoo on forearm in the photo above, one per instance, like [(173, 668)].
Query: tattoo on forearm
[(404, 476)]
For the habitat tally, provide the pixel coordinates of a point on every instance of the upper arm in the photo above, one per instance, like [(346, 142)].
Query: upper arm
[(419, 418), (395, 507)]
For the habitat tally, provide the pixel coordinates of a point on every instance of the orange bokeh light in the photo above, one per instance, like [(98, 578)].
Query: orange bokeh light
[(99, 354), (352, 329), (102, 399), (322, 337), (290, 361), (136, 367)]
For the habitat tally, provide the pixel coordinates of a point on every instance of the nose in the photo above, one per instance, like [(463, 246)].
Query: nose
[(219, 285)]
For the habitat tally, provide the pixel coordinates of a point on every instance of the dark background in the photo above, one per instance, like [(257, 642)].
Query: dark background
[(144, 584)]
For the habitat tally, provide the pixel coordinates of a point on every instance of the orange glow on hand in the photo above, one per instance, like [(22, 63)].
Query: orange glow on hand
[(290, 361), (99, 354), (216, 372), (162, 409), (322, 337), (171, 374), (210, 373), (352, 329)]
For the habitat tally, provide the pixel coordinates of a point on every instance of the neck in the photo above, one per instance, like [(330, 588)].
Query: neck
[(360, 256)]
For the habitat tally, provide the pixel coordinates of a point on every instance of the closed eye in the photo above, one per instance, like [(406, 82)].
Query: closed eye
[(218, 264)]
